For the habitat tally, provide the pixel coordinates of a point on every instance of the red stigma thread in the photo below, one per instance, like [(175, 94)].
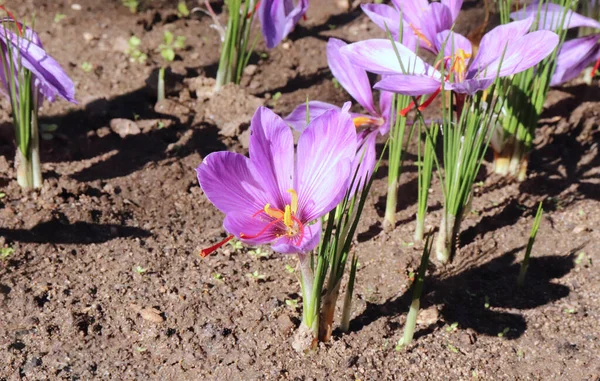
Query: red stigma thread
[(595, 68), (208, 251), (19, 28)]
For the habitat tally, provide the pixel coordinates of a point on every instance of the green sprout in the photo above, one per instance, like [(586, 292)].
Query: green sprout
[(532, 235), (140, 270), (170, 44), (86, 67), (452, 348), (2, 195), (217, 277), (487, 302), (452, 327), (47, 130), (580, 258), (59, 17), (132, 5), (276, 97), (6, 252), (504, 332), (135, 54), (182, 9), (236, 245), (259, 253), (256, 276), (293, 303), (570, 311), (290, 269), (336, 83)]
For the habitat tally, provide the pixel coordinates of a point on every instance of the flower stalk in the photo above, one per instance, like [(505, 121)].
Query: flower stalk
[(532, 235), (415, 305), (425, 156)]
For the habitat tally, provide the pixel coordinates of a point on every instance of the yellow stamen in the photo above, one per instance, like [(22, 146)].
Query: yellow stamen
[(275, 213), (294, 203), (460, 65), (287, 217)]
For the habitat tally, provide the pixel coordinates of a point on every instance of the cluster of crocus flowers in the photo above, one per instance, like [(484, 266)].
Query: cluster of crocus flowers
[(27, 76), (505, 50), (369, 125), (574, 55)]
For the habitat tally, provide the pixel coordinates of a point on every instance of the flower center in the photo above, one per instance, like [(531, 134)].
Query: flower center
[(459, 65), (286, 220)]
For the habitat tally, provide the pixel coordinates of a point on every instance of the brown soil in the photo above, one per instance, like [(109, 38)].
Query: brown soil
[(74, 307)]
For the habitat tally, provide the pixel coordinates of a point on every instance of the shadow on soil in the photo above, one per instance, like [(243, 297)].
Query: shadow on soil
[(57, 231), (472, 298)]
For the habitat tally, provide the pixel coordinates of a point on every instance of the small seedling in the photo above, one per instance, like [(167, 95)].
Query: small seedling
[(132, 5), (532, 235), (140, 349), (6, 252), (570, 311), (135, 54), (59, 17), (47, 130), (336, 83), (452, 348), (217, 277), (520, 354), (293, 303), (580, 258), (290, 269), (452, 327), (259, 253), (86, 66), (487, 302), (256, 276), (504, 332), (2, 195), (140, 270), (263, 55), (182, 9), (170, 44), (276, 96), (234, 243)]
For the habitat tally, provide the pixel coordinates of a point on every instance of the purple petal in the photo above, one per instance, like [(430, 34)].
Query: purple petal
[(384, 16), (310, 240), (574, 56), (378, 56), (352, 78), (495, 41), (454, 6), (412, 10), (469, 86), (49, 75), (522, 54), (551, 16), (238, 190), (297, 118), (278, 18), (385, 105), (439, 18), (243, 225), (272, 155), (364, 161), (324, 160), (412, 85)]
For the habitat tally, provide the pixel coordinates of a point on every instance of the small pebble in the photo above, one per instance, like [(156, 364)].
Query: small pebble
[(76, 7)]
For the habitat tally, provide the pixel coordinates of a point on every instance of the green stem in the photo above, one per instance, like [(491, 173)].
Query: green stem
[(532, 235), (161, 84), (36, 166), (347, 308)]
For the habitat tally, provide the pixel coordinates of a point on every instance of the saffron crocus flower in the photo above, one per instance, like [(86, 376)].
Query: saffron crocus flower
[(420, 20), (356, 82), (574, 55), (49, 77), (278, 195), (505, 50), (278, 18)]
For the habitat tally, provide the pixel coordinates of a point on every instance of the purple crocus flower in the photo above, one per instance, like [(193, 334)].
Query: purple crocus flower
[(574, 55), (356, 82), (48, 76), (505, 50), (420, 20), (278, 195), (278, 18)]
